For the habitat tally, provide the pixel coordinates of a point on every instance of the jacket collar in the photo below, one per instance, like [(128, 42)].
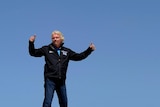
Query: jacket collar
[(52, 46)]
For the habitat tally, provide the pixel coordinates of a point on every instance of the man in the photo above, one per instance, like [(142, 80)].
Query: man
[(57, 58)]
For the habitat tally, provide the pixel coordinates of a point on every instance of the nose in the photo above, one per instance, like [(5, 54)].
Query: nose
[(53, 39)]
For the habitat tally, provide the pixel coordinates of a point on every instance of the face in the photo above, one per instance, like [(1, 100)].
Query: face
[(56, 39)]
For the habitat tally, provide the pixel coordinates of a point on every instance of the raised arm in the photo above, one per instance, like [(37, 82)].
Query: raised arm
[(32, 50), (79, 56)]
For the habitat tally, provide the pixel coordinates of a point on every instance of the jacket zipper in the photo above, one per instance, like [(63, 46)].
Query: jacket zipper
[(59, 64)]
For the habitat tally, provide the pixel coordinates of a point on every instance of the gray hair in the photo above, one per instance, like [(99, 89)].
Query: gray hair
[(59, 33)]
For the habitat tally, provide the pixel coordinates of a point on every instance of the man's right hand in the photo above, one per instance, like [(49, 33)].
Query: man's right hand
[(32, 38)]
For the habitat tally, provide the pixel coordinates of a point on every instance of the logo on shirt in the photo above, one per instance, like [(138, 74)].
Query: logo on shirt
[(64, 52), (50, 51)]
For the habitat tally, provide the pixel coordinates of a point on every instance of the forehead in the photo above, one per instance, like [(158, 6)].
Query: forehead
[(55, 35)]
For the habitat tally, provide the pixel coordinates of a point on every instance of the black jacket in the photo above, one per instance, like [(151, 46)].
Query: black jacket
[(56, 65)]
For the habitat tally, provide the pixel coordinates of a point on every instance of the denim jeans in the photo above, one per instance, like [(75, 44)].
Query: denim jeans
[(57, 85)]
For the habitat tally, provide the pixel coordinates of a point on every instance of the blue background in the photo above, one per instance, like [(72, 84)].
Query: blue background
[(124, 71)]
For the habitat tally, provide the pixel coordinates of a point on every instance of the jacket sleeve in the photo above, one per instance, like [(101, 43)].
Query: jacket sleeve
[(35, 52), (79, 56)]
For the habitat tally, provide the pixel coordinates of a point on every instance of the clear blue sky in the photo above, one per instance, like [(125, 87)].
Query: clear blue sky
[(124, 71)]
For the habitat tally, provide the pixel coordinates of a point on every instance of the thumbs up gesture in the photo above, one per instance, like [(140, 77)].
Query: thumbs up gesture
[(92, 46), (32, 38)]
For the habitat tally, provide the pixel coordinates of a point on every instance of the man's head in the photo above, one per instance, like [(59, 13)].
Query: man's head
[(57, 38)]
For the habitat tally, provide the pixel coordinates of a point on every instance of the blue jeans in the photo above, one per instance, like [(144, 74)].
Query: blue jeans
[(57, 85)]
